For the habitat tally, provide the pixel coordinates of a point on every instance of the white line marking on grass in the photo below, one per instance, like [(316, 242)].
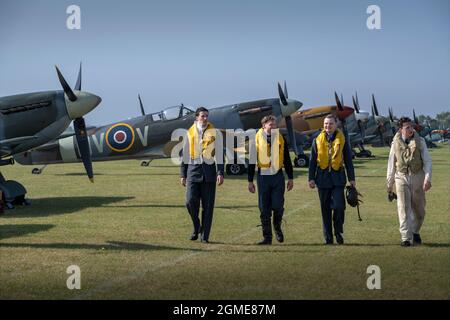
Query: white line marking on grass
[(168, 263)]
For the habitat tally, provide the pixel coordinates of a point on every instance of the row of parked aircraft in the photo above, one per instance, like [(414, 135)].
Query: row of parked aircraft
[(148, 136), (35, 130)]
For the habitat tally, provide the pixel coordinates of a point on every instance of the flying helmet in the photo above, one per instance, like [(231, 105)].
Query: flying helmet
[(352, 196)]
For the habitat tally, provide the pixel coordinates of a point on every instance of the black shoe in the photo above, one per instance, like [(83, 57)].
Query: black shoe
[(279, 236), (328, 241), (277, 227), (339, 239), (417, 239), (194, 236), (205, 240), (405, 243), (265, 241)]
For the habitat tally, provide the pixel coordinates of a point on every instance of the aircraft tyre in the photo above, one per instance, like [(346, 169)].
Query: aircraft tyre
[(302, 161), (13, 193), (364, 154), (235, 169)]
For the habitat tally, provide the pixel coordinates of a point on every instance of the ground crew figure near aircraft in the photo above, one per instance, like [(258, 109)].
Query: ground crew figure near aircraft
[(330, 152), (272, 154), (199, 174), (409, 168)]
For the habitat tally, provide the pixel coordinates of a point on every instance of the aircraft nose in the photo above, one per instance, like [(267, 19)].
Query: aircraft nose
[(84, 104), (362, 116), (291, 107), (343, 114)]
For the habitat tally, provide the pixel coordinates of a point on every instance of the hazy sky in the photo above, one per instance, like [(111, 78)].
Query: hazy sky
[(212, 53)]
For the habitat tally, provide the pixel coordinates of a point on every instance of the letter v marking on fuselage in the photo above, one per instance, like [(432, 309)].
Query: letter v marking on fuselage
[(98, 145), (143, 138)]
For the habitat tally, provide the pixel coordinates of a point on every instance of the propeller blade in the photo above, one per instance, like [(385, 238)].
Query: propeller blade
[(83, 146), (391, 115), (355, 105), (67, 90), (282, 96), (142, 106), (285, 90), (361, 130), (357, 100), (375, 105), (78, 85), (342, 99), (415, 118), (291, 134), (338, 102), (381, 136)]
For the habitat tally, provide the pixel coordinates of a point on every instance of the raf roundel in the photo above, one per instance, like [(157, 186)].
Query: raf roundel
[(120, 137)]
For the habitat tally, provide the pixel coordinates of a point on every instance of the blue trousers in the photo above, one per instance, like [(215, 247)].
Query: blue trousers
[(270, 198), (332, 203), (206, 193)]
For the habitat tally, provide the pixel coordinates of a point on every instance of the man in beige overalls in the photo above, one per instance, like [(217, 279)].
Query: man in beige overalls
[(409, 167)]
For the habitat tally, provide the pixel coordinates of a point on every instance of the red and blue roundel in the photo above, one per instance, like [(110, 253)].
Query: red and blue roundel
[(120, 137)]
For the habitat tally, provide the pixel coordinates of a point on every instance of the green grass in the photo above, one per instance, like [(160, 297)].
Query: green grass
[(128, 233)]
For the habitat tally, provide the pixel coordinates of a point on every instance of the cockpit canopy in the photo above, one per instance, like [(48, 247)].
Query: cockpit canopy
[(171, 113)]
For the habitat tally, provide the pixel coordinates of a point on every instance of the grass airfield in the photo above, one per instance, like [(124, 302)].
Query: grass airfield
[(128, 234)]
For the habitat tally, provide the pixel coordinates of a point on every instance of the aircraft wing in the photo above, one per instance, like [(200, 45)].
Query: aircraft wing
[(65, 135), (369, 137), (8, 144), (15, 141)]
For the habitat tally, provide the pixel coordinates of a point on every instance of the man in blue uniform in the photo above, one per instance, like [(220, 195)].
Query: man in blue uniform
[(330, 153), (272, 154), (199, 174)]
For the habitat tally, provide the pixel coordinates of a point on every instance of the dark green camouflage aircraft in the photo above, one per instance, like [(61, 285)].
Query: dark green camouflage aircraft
[(30, 120)]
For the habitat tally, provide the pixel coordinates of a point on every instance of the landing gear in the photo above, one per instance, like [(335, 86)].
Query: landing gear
[(301, 161), (13, 193), (430, 144), (235, 169), (38, 170), (364, 154), (145, 163)]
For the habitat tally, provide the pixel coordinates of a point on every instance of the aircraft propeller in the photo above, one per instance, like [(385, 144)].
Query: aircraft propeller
[(357, 109), (391, 118), (142, 106), (86, 102), (418, 126), (287, 116), (378, 119), (339, 104)]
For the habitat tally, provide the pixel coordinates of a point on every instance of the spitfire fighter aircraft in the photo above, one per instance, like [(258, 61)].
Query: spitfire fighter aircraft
[(380, 127), (308, 124), (33, 119), (148, 136), (424, 130), (351, 120), (364, 128)]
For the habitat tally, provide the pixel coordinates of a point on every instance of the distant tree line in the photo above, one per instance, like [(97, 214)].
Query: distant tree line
[(442, 120)]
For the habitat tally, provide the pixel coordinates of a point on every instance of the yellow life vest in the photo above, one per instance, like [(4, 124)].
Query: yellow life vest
[(264, 152), (207, 146), (335, 152)]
